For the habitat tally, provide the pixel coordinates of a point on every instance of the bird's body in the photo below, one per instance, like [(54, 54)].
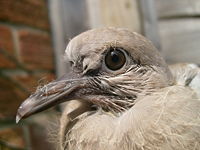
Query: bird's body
[(140, 104), (168, 119)]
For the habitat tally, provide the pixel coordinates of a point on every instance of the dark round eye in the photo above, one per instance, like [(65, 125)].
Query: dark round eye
[(115, 59)]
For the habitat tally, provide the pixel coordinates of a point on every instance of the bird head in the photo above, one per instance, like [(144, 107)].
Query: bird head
[(110, 68)]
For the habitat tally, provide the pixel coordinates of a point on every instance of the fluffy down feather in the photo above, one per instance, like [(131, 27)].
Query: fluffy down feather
[(168, 119)]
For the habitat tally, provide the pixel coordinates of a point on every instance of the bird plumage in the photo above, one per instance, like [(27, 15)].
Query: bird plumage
[(140, 103), (144, 71), (168, 119)]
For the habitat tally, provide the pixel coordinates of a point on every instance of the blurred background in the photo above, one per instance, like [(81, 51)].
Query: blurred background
[(34, 34)]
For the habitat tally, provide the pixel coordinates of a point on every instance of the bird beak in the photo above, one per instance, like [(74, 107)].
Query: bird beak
[(49, 95)]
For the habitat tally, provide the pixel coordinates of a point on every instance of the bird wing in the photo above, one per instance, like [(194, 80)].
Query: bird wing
[(168, 119), (186, 74)]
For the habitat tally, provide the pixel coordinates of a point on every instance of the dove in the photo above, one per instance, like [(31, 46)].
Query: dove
[(121, 94)]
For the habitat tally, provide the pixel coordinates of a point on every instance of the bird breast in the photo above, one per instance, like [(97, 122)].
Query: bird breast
[(167, 119)]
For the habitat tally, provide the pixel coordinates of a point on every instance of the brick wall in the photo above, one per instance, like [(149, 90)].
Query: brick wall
[(26, 60)]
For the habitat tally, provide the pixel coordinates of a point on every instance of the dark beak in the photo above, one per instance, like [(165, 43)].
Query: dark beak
[(58, 91)]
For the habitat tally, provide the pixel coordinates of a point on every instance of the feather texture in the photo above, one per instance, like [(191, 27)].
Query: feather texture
[(167, 119)]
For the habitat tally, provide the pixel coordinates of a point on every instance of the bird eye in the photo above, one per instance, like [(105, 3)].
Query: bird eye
[(115, 59)]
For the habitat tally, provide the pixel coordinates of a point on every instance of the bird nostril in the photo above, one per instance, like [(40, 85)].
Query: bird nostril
[(85, 67), (92, 72), (71, 63)]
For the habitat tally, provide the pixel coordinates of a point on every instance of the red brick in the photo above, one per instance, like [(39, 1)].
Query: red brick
[(36, 50), (12, 137), (6, 46), (6, 40), (10, 99), (28, 12), (31, 82), (44, 78), (12, 96)]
